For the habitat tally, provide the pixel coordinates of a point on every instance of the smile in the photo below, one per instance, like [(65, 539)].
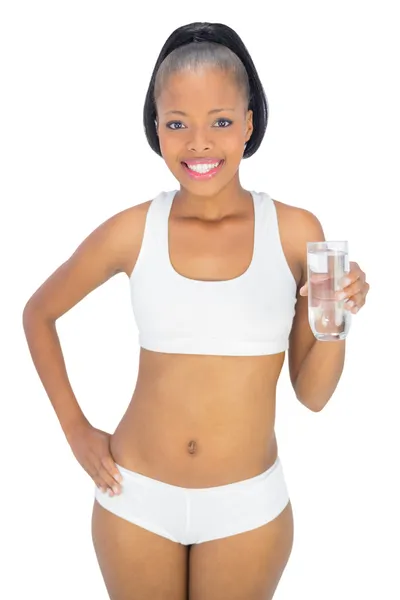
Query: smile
[(203, 170)]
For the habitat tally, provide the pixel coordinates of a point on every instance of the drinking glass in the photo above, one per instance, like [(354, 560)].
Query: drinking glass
[(327, 266)]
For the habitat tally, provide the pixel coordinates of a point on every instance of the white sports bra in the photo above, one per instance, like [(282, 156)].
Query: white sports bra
[(246, 316)]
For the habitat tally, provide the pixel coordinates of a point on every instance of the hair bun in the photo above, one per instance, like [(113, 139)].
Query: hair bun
[(200, 32)]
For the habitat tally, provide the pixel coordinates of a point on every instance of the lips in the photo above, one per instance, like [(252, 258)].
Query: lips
[(203, 174), (201, 161)]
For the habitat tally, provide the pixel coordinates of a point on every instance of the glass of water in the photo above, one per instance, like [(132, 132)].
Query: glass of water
[(327, 266)]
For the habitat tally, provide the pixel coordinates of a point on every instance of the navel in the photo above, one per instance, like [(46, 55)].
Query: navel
[(192, 447)]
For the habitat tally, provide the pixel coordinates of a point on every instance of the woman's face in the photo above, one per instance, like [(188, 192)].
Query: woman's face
[(202, 120)]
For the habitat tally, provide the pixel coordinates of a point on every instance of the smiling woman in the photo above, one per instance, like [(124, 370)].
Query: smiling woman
[(195, 82), (214, 272)]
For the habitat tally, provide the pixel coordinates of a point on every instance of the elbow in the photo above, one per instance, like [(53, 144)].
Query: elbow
[(316, 408), (27, 311), (25, 314), (310, 402), (31, 313)]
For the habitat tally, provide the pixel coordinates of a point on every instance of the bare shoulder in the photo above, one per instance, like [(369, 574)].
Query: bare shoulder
[(297, 227), (301, 221), (109, 249), (131, 224)]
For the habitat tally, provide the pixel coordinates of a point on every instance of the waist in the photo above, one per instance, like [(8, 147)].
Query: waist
[(191, 442), (208, 467)]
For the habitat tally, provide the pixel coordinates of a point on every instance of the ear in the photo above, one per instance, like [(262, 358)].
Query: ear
[(249, 124)]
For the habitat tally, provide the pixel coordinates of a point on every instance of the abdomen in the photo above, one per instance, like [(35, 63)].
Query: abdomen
[(200, 421)]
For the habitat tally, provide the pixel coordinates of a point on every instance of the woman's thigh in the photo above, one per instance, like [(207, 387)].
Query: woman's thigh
[(246, 566), (137, 564)]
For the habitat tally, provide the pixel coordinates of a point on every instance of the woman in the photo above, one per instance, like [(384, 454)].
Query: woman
[(191, 499)]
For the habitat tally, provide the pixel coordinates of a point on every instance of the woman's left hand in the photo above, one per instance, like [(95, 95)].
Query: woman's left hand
[(354, 291)]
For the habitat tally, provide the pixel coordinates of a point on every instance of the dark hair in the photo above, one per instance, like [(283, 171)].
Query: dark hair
[(194, 36), (194, 55)]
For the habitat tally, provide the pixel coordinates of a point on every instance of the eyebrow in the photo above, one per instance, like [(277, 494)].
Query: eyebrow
[(214, 110)]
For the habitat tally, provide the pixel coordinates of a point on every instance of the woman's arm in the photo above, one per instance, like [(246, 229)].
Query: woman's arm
[(47, 356), (315, 367), (101, 255)]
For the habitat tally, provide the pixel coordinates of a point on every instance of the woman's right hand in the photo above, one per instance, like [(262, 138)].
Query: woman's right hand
[(91, 448)]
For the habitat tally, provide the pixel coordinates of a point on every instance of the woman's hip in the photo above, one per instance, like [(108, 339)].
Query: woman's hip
[(195, 514)]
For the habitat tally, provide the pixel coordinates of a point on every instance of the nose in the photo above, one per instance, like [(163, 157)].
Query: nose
[(199, 141)]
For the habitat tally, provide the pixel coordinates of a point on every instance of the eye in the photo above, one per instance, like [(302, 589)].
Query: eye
[(224, 121), (174, 125), (169, 125)]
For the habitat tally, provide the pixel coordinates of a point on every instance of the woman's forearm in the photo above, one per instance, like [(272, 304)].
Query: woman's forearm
[(44, 346), (320, 373)]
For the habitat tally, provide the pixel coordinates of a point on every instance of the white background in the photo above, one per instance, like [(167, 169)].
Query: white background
[(73, 152)]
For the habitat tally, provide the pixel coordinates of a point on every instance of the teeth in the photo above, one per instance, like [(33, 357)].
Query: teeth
[(202, 168)]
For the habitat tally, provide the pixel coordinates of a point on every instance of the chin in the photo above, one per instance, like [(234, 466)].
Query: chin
[(205, 188), (199, 189)]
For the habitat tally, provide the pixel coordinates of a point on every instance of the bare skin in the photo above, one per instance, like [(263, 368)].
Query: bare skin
[(199, 421), (193, 420)]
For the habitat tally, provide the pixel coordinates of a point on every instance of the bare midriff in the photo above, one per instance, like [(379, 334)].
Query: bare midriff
[(200, 421), (203, 420)]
